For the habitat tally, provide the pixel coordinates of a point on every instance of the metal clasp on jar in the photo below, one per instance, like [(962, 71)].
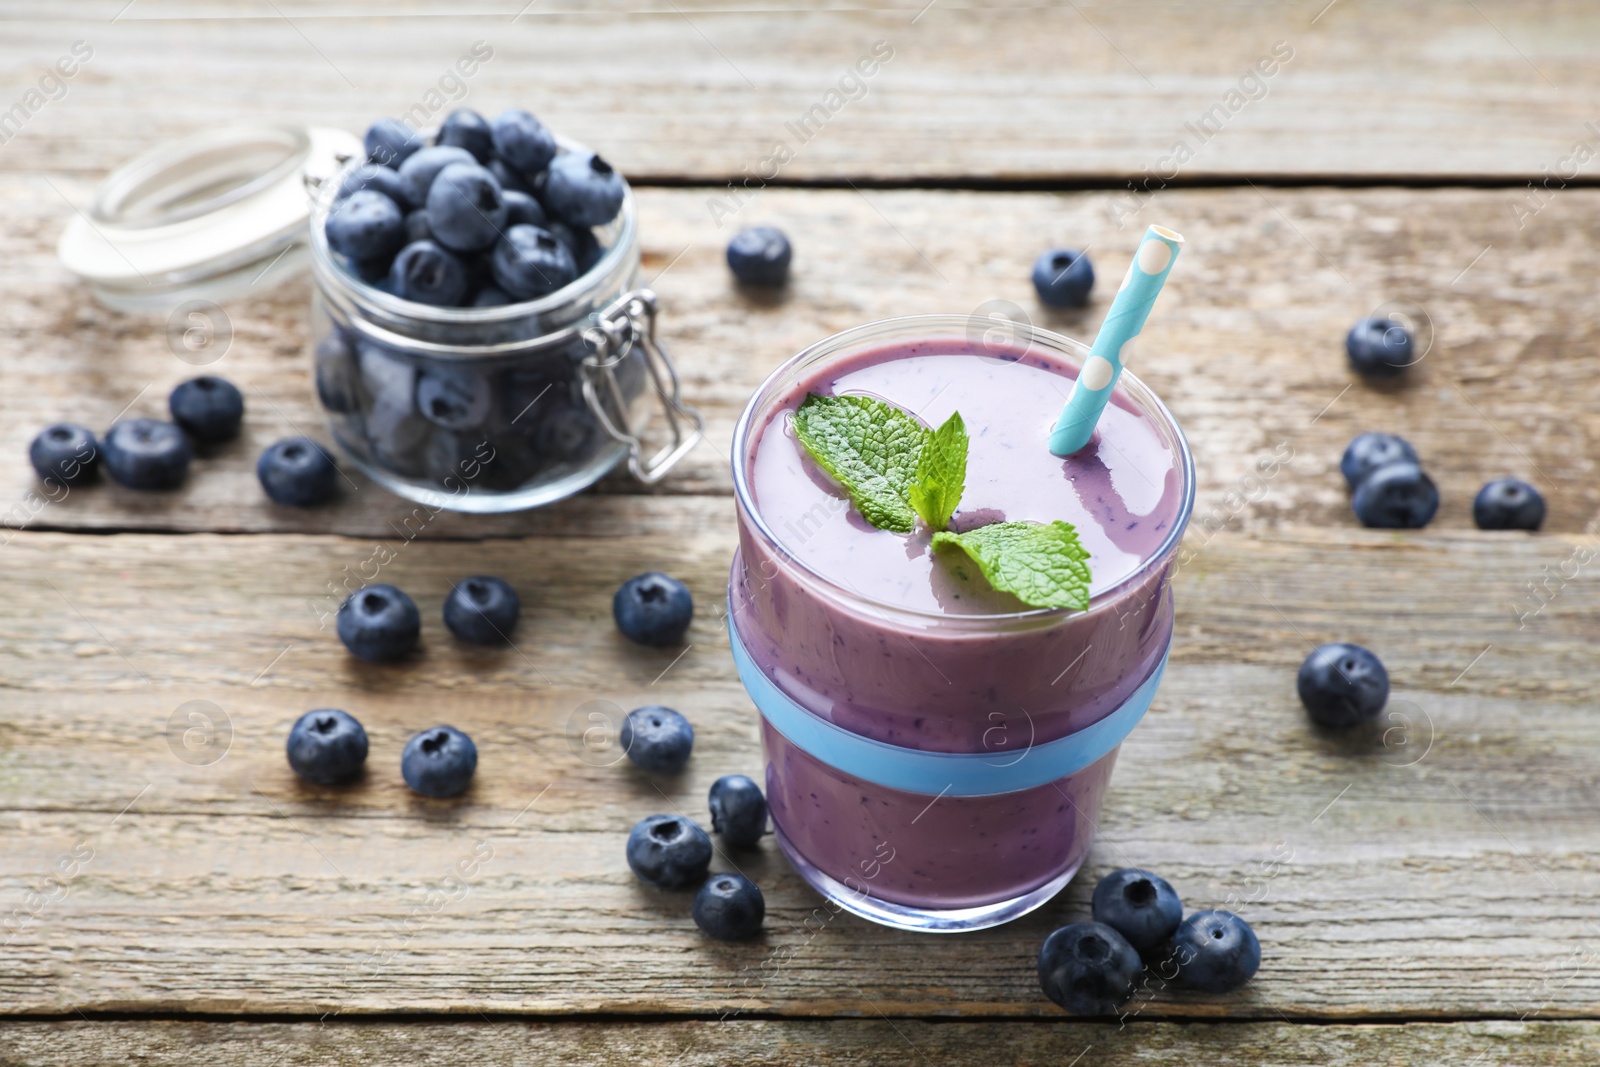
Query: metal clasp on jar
[(628, 321)]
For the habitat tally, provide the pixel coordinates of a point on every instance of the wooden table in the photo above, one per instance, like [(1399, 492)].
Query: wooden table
[(177, 896)]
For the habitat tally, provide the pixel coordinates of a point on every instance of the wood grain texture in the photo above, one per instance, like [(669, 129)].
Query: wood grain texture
[(761, 1043), (1247, 347), (1442, 864), (703, 90)]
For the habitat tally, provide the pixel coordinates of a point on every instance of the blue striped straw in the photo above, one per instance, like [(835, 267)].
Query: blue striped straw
[(1131, 306)]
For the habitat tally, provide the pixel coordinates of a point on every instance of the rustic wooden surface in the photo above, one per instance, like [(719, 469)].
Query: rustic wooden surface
[(1440, 897)]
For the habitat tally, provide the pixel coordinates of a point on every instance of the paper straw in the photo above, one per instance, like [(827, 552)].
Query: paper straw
[(1114, 344)]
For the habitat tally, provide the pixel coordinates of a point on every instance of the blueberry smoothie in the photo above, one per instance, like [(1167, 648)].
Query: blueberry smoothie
[(868, 639)]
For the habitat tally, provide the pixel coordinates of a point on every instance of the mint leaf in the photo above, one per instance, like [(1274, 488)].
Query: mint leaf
[(941, 473), (870, 447), (1041, 565)]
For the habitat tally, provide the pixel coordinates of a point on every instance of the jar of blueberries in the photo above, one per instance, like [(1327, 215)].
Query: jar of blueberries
[(478, 340)]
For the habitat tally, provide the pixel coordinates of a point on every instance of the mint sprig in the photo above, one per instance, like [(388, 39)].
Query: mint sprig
[(870, 448), (941, 473), (1040, 564), (895, 469)]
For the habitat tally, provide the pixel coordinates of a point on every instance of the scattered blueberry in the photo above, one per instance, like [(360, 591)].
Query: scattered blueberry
[(522, 209), (1508, 504), (391, 142), (1342, 685), (439, 762), (482, 610), (298, 472), (418, 172), (1088, 968), (669, 851), (367, 226), (738, 810), (1369, 451), (379, 624), (657, 739), (729, 907), (1140, 906), (523, 141), (454, 399), (583, 190), (371, 176), (1063, 277), (147, 454), (208, 407), (65, 453), (465, 128), (466, 211), (1396, 496), (760, 255), (1378, 348), (653, 609), (528, 262), (327, 747), (1215, 951), (428, 274)]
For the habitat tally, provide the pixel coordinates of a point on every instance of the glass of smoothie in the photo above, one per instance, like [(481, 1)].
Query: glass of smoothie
[(936, 750)]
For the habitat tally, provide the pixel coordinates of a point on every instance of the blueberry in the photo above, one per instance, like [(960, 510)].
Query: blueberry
[(1378, 348), (336, 375), (482, 610), (379, 624), (729, 907), (390, 142), (490, 297), (1369, 451), (522, 209), (580, 242), (1342, 685), (418, 172), (65, 453), (1508, 504), (456, 399), (385, 180), (657, 739), (509, 177), (209, 408), (760, 255), (428, 274), (1215, 951), (528, 262), (147, 454), (1063, 277), (465, 128), (523, 141), (1140, 906), (466, 211), (653, 609), (1396, 496), (1088, 968), (417, 227), (738, 810), (668, 851), (327, 747), (439, 762), (583, 190), (563, 433), (366, 226), (298, 472)]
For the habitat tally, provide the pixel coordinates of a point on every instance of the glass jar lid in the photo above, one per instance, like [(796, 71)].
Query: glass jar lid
[(209, 216)]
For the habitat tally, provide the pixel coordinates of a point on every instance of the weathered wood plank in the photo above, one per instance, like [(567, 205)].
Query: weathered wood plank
[(1246, 347), (1445, 867), (703, 91), (826, 1044)]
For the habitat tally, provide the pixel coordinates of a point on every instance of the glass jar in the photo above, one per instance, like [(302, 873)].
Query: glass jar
[(502, 408)]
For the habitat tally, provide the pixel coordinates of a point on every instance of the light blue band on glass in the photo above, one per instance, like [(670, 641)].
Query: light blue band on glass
[(958, 774)]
